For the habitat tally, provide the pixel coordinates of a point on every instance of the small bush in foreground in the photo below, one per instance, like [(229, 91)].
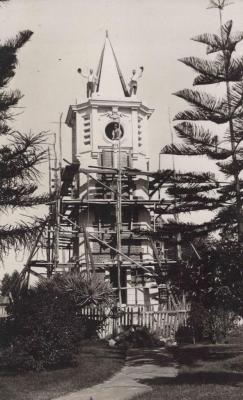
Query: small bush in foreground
[(46, 324), (133, 337)]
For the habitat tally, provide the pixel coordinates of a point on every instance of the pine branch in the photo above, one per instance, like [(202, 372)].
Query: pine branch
[(193, 177), (235, 72), (25, 202), (21, 196), (4, 128), (202, 100), (8, 56), (206, 107), (8, 100), (19, 236), (227, 192), (230, 168), (226, 31), (188, 231), (182, 150), (185, 207), (20, 40), (236, 99), (214, 42), (196, 135), (200, 115), (227, 215), (191, 188), (210, 71), (200, 199), (21, 158), (220, 4), (202, 140)]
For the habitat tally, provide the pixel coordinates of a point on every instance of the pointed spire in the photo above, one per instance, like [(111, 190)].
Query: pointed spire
[(110, 83)]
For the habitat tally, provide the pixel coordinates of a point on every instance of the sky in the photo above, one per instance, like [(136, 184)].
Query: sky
[(70, 33)]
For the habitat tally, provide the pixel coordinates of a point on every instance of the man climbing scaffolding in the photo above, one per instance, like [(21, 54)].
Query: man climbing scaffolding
[(134, 80), (91, 83)]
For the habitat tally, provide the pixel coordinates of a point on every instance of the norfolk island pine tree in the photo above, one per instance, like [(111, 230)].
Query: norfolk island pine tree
[(205, 191), (19, 157)]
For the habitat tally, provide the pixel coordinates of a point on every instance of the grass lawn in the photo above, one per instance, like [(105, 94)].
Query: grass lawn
[(97, 362), (213, 372)]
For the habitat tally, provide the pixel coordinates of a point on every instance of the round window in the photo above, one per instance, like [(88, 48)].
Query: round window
[(114, 131)]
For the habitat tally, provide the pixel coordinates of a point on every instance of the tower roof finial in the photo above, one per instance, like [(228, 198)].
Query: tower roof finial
[(106, 33)]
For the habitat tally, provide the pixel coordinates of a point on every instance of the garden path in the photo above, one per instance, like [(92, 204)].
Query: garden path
[(141, 364)]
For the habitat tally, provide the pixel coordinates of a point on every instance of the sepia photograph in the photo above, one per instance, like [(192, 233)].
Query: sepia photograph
[(121, 199)]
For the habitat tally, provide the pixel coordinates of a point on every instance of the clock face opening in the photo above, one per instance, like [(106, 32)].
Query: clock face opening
[(114, 131)]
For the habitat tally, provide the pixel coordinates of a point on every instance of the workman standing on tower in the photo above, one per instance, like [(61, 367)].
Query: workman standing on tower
[(91, 83), (134, 81)]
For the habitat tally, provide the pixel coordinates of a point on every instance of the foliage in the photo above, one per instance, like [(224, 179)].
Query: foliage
[(214, 286), (212, 323), (184, 335), (19, 156), (216, 278), (85, 290), (134, 337), (199, 134), (46, 324), (9, 284), (46, 385)]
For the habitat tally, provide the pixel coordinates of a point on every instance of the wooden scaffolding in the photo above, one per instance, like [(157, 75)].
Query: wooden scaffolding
[(108, 191)]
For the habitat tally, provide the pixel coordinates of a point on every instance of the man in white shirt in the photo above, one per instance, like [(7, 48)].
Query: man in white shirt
[(134, 81), (91, 81)]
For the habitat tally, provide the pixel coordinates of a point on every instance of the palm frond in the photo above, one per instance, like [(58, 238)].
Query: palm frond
[(86, 290)]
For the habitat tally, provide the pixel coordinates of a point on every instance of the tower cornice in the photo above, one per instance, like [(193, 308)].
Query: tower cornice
[(100, 103)]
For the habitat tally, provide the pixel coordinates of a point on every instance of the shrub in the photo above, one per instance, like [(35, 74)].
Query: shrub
[(134, 337), (211, 324), (184, 335), (47, 326)]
